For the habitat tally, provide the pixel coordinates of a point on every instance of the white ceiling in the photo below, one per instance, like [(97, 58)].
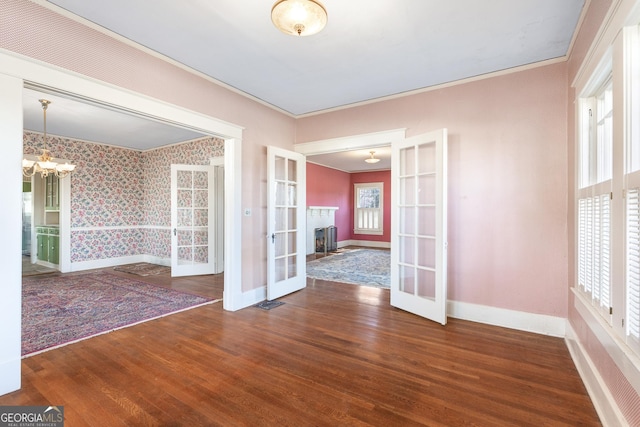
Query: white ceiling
[(370, 48)]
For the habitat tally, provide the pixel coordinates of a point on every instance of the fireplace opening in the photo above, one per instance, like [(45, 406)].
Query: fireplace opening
[(326, 239)]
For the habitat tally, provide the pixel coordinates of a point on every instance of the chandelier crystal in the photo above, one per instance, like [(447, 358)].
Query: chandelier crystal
[(44, 163), (299, 17)]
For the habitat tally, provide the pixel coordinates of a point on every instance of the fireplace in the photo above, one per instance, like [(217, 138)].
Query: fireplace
[(326, 239)]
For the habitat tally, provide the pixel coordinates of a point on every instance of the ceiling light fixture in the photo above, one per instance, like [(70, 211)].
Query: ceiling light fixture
[(372, 159), (299, 17), (44, 163)]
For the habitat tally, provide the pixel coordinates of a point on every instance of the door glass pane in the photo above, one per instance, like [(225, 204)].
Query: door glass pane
[(406, 250), (427, 284), (407, 191), (184, 217), (293, 171), (200, 237), (427, 156), (292, 199), (292, 266), (185, 237), (201, 217), (291, 237), (406, 220), (427, 223), (184, 198), (280, 245), (185, 179), (201, 198), (185, 255), (280, 172), (407, 161), (293, 219), (426, 189), (201, 254), (426, 256), (281, 219), (281, 195), (280, 269), (201, 180), (407, 279)]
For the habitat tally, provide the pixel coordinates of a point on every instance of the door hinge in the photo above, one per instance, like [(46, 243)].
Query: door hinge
[(611, 311), (611, 195), (623, 323)]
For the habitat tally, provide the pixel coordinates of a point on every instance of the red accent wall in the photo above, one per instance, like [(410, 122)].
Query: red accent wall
[(367, 177), (330, 187)]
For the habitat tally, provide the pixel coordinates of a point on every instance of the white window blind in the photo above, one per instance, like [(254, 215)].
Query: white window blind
[(594, 237), (633, 268)]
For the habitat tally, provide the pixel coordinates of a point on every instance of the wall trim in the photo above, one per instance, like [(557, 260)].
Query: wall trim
[(107, 262), (366, 243), (603, 401), (512, 319), (623, 357)]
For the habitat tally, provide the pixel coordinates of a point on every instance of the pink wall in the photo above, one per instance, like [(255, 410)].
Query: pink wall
[(507, 180), (367, 177), (330, 187)]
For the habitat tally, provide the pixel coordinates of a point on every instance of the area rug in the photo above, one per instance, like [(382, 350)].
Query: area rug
[(370, 267), (61, 310), (143, 269)]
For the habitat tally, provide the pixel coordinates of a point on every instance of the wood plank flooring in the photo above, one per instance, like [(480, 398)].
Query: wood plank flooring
[(332, 355)]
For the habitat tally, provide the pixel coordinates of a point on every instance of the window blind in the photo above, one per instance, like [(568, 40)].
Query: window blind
[(633, 267)]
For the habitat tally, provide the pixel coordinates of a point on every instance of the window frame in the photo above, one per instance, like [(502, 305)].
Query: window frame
[(619, 73), (379, 214)]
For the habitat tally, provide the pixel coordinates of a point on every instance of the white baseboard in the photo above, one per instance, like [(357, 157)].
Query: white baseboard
[(113, 262), (157, 260), (529, 322), (603, 401), (367, 243), (108, 262)]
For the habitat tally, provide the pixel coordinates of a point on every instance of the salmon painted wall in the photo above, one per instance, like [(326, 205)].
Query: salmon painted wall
[(507, 175), (330, 187), (367, 177)]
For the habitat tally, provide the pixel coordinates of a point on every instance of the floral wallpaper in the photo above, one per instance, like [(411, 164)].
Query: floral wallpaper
[(121, 198)]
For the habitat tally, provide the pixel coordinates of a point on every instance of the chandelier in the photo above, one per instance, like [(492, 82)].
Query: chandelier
[(299, 17), (44, 163)]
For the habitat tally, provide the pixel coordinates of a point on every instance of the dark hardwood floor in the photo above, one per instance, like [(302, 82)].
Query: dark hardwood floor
[(332, 355)]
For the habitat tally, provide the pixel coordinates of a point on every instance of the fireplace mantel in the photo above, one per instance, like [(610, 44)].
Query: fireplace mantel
[(321, 210)]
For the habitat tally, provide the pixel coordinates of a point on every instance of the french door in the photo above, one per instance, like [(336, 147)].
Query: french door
[(286, 219), (419, 225), (192, 220)]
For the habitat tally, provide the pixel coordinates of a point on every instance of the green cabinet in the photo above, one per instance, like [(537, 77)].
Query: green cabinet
[(52, 193), (48, 241)]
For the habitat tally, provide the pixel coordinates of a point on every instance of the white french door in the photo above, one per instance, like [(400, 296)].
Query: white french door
[(286, 219), (192, 220), (419, 225)]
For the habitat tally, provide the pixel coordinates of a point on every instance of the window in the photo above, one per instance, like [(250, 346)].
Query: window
[(594, 197), (608, 192), (368, 208)]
